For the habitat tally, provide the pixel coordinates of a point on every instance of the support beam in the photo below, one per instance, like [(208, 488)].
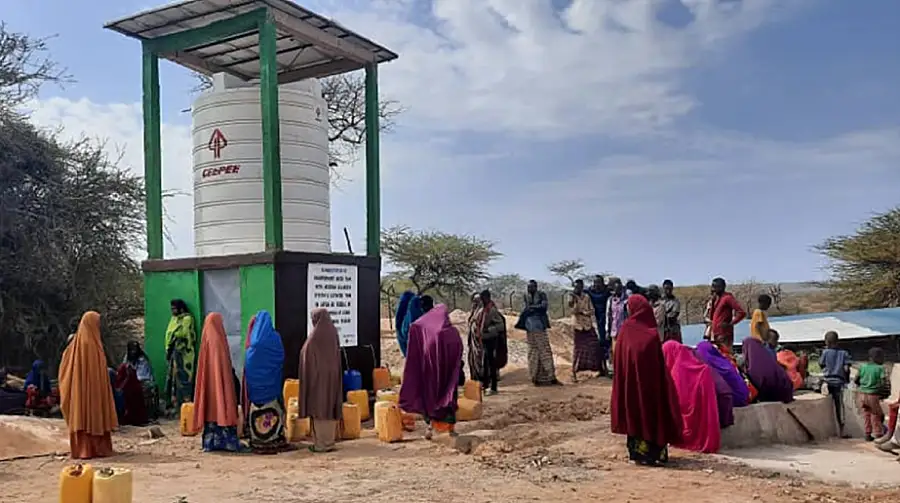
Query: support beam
[(152, 155), (373, 165), (319, 71), (271, 135), (217, 30), (200, 65), (304, 32)]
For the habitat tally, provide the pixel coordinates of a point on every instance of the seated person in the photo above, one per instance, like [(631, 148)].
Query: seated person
[(768, 377), (40, 395)]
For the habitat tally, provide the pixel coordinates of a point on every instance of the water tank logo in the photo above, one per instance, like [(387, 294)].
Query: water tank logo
[(318, 114), (217, 142)]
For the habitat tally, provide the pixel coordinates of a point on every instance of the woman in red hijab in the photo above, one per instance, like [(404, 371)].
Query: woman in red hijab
[(644, 405)]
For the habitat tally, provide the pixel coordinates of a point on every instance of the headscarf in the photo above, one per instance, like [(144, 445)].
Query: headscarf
[(696, 398), (431, 374), (413, 312), (38, 378), (400, 317), (644, 401), (770, 380), (321, 388), (265, 361), (214, 399), (710, 355), (85, 390)]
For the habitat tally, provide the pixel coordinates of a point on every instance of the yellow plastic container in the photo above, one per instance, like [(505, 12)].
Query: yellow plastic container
[(295, 427), (381, 378), (186, 420), (351, 425), (76, 484), (472, 390), (387, 396), (112, 485), (291, 389), (360, 398), (391, 427), (469, 410)]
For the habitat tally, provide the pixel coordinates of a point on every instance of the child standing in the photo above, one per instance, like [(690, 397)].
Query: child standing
[(835, 363), (870, 381)]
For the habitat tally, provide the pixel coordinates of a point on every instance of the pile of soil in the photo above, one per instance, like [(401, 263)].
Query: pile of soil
[(22, 436)]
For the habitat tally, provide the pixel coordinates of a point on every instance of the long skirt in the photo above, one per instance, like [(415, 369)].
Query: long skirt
[(476, 358), (541, 369), (179, 382), (220, 438), (586, 355), (127, 383), (267, 428), (646, 453), (323, 433), (85, 446)]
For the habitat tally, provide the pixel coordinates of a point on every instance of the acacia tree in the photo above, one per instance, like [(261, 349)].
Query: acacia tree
[(345, 98), (568, 269), (70, 222), (865, 265), (437, 261)]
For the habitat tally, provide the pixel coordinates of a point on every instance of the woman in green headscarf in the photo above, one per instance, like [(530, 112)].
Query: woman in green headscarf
[(181, 352)]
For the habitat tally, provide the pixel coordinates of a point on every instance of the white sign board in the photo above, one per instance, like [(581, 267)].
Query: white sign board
[(335, 287)]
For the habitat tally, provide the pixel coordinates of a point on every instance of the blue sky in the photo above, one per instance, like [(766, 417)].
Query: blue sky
[(661, 138)]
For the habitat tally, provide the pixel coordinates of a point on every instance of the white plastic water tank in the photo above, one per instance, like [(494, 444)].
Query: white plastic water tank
[(227, 165)]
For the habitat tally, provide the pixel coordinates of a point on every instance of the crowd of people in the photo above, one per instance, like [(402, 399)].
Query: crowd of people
[(664, 393), (94, 402)]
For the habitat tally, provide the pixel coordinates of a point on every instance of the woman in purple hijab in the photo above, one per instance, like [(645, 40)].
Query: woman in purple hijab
[(765, 373), (709, 354), (430, 378), (724, 401)]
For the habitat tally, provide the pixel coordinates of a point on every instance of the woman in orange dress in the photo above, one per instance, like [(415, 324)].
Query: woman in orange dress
[(85, 394)]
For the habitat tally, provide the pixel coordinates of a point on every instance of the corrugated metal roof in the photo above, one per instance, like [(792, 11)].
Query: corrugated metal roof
[(307, 44), (812, 327)]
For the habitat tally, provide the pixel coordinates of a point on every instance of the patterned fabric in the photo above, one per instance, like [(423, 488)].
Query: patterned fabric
[(267, 427), (586, 354), (646, 453), (220, 438), (181, 344), (541, 369), (583, 312), (615, 314)]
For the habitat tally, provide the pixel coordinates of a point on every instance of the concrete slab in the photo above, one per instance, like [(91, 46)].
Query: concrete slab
[(815, 413), (763, 424), (848, 461)]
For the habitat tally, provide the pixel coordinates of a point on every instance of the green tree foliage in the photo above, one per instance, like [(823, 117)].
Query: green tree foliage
[(568, 269), (865, 265), (70, 222), (438, 262)]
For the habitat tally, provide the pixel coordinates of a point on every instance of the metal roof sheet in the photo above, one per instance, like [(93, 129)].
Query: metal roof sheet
[(812, 327), (308, 44)]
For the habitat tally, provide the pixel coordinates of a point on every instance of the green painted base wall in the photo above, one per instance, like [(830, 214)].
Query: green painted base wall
[(159, 289), (257, 292)]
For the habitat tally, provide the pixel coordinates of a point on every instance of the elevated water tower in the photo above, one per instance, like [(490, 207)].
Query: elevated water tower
[(262, 221)]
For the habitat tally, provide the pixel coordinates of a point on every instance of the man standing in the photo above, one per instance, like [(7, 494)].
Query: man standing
[(615, 311), (654, 296), (672, 329), (599, 294), (586, 354), (723, 313), (535, 321)]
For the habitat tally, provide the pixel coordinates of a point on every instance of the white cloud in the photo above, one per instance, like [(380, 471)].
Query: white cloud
[(516, 66)]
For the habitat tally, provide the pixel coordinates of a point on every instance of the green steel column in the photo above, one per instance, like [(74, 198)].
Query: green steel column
[(271, 140), (373, 165), (152, 155)]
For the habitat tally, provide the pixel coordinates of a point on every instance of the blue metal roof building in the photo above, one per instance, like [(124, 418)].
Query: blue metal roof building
[(811, 328)]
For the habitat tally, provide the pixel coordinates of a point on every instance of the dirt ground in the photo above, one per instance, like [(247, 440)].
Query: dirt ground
[(533, 444)]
